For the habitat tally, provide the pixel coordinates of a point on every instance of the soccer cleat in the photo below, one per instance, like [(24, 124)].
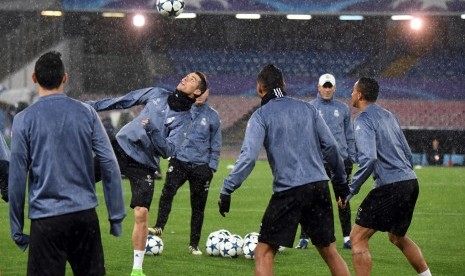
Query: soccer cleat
[(156, 231), (347, 245), (303, 243), (194, 250), (137, 272)]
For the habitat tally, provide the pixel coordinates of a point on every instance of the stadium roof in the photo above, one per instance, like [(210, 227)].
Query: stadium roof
[(281, 6)]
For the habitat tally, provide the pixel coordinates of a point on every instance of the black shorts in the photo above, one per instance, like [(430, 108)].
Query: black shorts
[(389, 208), (140, 177), (72, 237), (310, 205)]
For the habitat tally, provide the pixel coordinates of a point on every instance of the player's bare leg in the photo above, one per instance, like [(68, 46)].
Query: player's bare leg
[(361, 257), (411, 251), (264, 258), (140, 232), (335, 262)]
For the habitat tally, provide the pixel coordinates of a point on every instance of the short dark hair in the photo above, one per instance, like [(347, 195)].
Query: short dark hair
[(270, 77), (369, 88), (203, 86), (49, 70)]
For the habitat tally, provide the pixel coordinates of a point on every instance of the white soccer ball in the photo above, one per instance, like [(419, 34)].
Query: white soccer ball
[(250, 242), (231, 247), (215, 240), (153, 245), (213, 244), (223, 234), (170, 8)]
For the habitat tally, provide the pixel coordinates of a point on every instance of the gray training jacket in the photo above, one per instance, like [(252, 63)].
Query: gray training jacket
[(382, 149), (146, 146), (296, 139), (52, 149), (337, 116), (203, 142)]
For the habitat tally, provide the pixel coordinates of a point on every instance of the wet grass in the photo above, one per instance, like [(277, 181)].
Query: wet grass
[(438, 228)]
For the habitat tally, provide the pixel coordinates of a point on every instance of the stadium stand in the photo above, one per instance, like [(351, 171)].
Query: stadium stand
[(232, 108), (444, 65)]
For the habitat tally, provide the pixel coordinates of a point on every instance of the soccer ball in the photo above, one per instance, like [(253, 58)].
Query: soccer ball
[(213, 244), (153, 245), (215, 240), (250, 242), (170, 8), (231, 247)]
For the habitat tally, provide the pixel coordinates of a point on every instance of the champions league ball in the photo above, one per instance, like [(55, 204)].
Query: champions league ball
[(213, 244), (231, 247), (250, 242), (170, 8), (216, 240), (153, 245)]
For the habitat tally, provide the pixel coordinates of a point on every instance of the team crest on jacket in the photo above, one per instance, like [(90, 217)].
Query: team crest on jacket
[(336, 113), (203, 122), (156, 101), (169, 120)]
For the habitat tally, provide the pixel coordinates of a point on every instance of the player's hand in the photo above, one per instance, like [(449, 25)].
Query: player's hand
[(342, 203), (21, 240), (224, 203), (116, 229), (148, 125), (348, 164), (341, 190)]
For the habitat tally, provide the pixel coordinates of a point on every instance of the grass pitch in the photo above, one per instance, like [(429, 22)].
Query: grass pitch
[(438, 227)]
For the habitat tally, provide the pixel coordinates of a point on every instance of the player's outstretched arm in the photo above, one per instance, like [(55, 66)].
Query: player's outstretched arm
[(133, 98)]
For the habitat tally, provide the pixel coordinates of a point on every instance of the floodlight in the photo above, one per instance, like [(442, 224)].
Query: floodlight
[(248, 16), (299, 16), (416, 23), (138, 20)]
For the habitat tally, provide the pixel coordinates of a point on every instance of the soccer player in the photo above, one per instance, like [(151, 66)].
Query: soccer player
[(337, 116), (52, 149), (195, 161), (296, 140), (382, 151), (157, 132), (4, 166)]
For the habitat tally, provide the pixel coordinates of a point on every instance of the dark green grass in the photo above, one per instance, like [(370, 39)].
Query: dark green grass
[(438, 228)]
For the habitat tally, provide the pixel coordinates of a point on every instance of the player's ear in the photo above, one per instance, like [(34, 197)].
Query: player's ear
[(260, 90), (34, 77), (197, 93), (65, 78)]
